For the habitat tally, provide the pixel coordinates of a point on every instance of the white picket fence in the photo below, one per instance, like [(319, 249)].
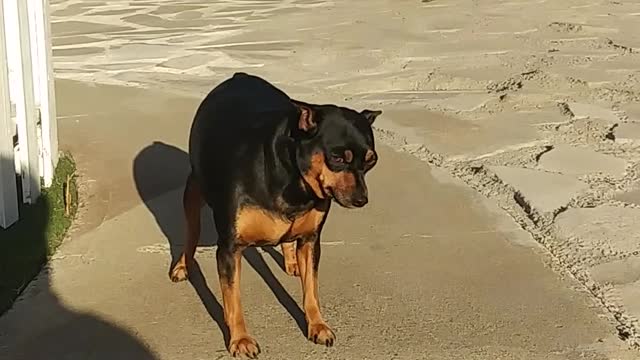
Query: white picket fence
[(27, 104)]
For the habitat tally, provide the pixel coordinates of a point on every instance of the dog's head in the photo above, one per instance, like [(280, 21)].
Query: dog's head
[(335, 149)]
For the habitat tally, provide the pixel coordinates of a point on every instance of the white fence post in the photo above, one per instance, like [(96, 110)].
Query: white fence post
[(44, 85), (20, 66), (26, 80), (8, 189)]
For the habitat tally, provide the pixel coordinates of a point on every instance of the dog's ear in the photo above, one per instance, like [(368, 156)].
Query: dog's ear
[(370, 115), (307, 118)]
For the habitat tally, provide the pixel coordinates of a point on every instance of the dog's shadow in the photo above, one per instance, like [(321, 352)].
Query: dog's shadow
[(160, 172)]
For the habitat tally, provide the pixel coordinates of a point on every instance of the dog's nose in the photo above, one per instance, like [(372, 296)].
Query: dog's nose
[(360, 201)]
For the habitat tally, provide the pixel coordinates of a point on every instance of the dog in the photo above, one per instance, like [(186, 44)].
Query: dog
[(269, 167)]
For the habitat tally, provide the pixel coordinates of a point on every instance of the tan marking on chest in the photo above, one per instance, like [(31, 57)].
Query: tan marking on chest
[(307, 223), (257, 226)]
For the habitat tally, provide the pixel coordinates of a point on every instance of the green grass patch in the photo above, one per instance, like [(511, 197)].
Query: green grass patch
[(27, 245)]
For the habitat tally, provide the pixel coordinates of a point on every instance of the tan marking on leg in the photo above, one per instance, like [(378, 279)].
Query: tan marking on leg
[(290, 261), (241, 343), (318, 331), (192, 203)]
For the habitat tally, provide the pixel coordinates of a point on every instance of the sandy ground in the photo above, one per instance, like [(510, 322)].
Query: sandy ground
[(513, 127)]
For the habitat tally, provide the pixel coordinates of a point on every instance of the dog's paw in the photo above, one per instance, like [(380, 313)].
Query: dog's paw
[(292, 269), (244, 346), (179, 273), (321, 334)]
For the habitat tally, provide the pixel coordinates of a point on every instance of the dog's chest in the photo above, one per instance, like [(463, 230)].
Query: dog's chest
[(255, 226)]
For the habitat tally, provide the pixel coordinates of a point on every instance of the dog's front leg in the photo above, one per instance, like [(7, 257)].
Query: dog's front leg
[(241, 343), (290, 262), (308, 256)]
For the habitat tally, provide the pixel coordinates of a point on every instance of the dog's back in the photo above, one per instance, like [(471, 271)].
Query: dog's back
[(239, 96), (233, 122)]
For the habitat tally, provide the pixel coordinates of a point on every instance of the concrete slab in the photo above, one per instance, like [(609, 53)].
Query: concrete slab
[(545, 192), (81, 27), (630, 298), (590, 111), (572, 160), (590, 75), (187, 61), (471, 137), (463, 103), (631, 196), (627, 132), (632, 111), (392, 284), (617, 272), (603, 231)]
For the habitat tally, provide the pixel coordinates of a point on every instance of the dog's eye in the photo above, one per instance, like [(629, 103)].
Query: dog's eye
[(370, 160)]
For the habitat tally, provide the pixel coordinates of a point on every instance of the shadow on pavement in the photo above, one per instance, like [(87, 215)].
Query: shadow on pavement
[(160, 168), (39, 326)]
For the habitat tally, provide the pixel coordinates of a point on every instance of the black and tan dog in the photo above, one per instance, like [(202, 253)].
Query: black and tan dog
[(269, 166)]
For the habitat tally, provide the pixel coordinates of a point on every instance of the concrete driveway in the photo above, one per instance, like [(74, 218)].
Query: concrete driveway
[(430, 270)]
